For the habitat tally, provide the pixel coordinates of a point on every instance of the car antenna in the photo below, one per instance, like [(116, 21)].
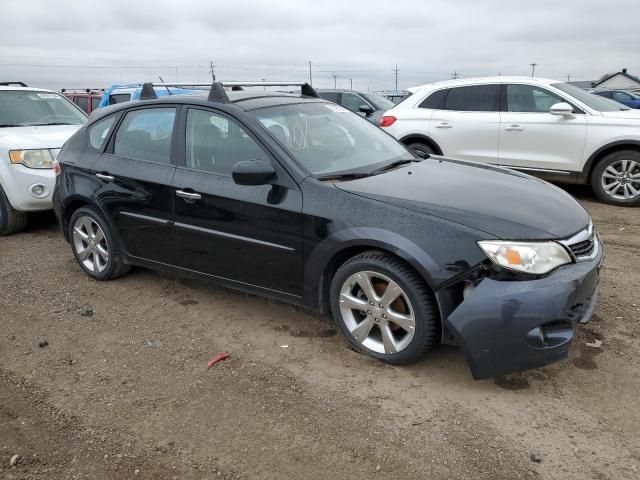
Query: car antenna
[(147, 92), (217, 93), (162, 81)]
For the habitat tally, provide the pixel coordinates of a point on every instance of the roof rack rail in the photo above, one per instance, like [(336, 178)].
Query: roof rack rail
[(81, 90), (218, 94), (18, 84)]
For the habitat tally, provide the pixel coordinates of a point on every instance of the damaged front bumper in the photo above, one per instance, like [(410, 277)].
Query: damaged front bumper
[(509, 326)]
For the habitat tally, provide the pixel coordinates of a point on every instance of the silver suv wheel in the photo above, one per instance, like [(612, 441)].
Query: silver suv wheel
[(621, 180)]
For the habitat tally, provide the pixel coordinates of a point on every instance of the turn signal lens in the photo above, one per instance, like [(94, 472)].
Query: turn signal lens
[(387, 120), (536, 258), (32, 158)]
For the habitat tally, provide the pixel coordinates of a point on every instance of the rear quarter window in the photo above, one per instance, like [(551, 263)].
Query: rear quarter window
[(99, 131), (435, 101)]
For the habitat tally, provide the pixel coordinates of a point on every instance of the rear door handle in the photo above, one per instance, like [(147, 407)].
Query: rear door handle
[(444, 125), (514, 128), (105, 176), (190, 197)]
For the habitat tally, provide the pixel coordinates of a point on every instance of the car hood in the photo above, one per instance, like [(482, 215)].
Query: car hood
[(632, 114), (501, 202), (44, 136)]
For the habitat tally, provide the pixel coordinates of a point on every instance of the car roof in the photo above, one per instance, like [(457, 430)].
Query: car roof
[(486, 80), (24, 89)]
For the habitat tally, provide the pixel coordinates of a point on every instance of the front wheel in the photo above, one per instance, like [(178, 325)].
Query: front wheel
[(423, 150), (384, 308), (616, 178), (11, 220), (94, 246)]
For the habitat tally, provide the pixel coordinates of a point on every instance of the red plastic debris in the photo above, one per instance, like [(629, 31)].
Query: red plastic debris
[(218, 357)]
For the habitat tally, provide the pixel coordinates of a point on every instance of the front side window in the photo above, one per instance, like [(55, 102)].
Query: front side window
[(216, 143), (378, 101), (146, 135), (474, 98), (352, 102), (327, 139), (527, 98), (621, 96), (23, 108), (331, 96), (99, 131)]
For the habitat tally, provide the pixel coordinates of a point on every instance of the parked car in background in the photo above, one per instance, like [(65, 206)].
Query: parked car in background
[(248, 189), (88, 99), (395, 96), (371, 105), (126, 93), (630, 99), (543, 127), (34, 124)]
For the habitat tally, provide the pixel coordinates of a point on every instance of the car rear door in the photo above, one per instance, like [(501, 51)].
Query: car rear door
[(466, 124), (249, 235), (532, 138), (136, 171)]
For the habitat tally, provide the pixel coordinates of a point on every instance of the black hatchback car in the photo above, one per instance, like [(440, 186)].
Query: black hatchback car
[(293, 197)]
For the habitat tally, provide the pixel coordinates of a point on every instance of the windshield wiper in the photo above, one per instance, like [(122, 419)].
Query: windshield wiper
[(395, 164), (343, 176), (45, 124)]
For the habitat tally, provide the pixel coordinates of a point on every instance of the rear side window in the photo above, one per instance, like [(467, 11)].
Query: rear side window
[(83, 103), (119, 98), (475, 98), (331, 96), (435, 101), (95, 103), (146, 135), (99, 131)]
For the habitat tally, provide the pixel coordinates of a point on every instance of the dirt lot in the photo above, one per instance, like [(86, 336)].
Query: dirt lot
[(122, 389)]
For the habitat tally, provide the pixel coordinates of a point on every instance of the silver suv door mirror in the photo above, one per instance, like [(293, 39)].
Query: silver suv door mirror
[(561, 109)]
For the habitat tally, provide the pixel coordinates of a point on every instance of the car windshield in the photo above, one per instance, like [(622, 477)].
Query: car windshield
[(22, 108), (596, 102), (328, 139), (379, 101)]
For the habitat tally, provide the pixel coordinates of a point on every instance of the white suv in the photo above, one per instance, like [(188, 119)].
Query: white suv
[(544, 127), (34, 124)]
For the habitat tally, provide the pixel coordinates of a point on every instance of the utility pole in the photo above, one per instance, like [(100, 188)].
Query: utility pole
[(533, 68), (455, 75), (177, 76), (568, 77), (310, 77), (395, 71), (212, 71), (264, 88), (335, 81), (351, 84)]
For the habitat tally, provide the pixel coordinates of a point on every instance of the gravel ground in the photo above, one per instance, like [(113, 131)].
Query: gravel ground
[(122, 389)]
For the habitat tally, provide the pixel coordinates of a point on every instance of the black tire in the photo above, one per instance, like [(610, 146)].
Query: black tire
[(427, 322), (614, 159), (11, 220), (115, 267), (421, 148)]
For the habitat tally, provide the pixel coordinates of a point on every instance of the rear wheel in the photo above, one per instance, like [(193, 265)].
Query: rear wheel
[(616, 178), (94, 245), (384, 308), (422, 149), (11, 220)]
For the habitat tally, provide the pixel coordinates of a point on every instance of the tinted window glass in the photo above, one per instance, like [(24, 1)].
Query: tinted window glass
[(352, 102), (527, 98), (99, 131), (215, 143), (618, 96), (594, 101), (146, 135), (331, 96), (119, 98), (83, 103), (435, 100), (476, 98), (95, 103)]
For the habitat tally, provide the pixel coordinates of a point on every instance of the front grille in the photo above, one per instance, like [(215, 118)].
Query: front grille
[(584, 248)]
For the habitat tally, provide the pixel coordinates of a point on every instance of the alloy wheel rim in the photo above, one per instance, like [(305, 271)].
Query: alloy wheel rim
[(90, 244), (621, 180), (377, 312)]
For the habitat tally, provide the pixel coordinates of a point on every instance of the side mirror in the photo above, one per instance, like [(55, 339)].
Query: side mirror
[(366, 109), (253, 172), (561, 109)]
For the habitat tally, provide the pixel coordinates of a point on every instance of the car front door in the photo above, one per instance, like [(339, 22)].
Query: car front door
[(531, 137), (250, 235), (466, 124), (136, 173)]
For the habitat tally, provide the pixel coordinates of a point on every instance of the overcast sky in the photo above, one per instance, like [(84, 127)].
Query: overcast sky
[(65, 43)]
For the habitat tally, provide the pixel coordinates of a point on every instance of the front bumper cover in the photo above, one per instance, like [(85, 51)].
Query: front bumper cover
[(509, 326)]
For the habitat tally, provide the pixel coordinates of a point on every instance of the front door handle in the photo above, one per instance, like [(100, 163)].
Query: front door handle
[(514, 128), (105, 176), (444, 125), (189, 197)]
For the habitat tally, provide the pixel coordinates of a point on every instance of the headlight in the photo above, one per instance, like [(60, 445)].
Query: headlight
[(32, 158), (536, 258)]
